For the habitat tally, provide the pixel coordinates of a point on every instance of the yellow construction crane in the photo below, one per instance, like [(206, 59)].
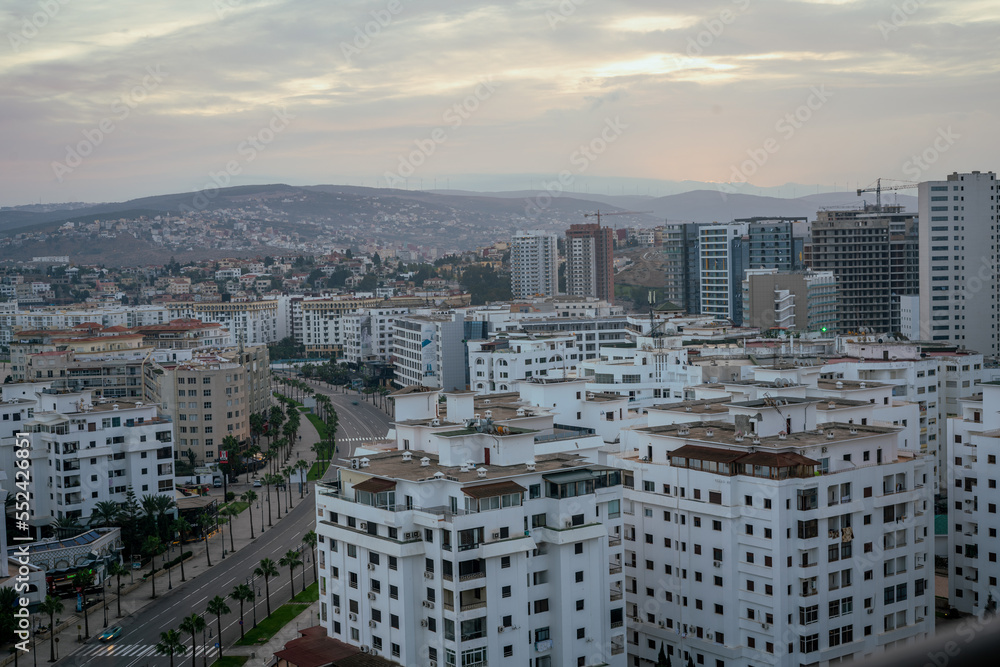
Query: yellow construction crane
[(877, 188)]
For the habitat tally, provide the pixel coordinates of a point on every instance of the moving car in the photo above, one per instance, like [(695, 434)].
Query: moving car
[(111, 633), (354, 402), (257, 483)]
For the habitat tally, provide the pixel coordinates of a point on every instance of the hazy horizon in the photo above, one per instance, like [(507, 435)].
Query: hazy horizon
[(109, 102)]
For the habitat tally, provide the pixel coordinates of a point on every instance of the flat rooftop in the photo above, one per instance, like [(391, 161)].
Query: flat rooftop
[(391, 465), (850, 385), (703, 406), (723, 433)]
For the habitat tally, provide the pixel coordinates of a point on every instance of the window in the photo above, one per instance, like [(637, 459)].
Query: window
[(541, 605), (809, 644)]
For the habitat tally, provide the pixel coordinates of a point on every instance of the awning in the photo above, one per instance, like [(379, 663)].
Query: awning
[(707, 453), (490, 490), (375, 485)]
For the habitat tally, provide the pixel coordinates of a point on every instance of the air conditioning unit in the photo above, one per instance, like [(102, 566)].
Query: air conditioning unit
[(496, 535), (371, 566), (717, 563), (765, 626), (352, 616), (423, 622), (372, 624), (428, 604), (663, 624), (371, 596), (364, 648), (870, 611), (432, 663), (823, 449), (336, 610), (710, 637), (569, 523), (428, 575), (363, 525)]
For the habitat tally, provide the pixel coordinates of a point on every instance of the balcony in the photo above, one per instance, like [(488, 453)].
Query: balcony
[(614, 568), (473, 605), (616, 595), (614, 541), (471, 576)]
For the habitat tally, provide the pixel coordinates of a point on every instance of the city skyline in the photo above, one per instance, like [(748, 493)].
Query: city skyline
[(181, 98)]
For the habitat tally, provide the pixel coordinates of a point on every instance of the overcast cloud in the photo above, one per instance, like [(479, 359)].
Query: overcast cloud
[(161, 94)]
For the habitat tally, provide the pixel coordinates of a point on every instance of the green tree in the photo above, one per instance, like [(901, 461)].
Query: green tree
[(241, 593), (153, 546), (249, 497), (105, 513), (193, 624), (117, 570), (230, 513), (170, 644), (267, 569), (291, 560), (51, 606), (218, 607), (205, 522), (181, 527), (310, 539)]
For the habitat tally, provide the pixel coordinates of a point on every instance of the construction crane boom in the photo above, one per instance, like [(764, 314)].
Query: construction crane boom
[(877, 188), (600, 215)]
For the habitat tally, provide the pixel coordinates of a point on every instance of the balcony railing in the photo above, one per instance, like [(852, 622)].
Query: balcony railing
[(471, 576), (474, 605), (614, 568)]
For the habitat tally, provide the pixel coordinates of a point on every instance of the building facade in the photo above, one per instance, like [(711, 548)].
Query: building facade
[(590, 262), (534, 265), (959, 293)]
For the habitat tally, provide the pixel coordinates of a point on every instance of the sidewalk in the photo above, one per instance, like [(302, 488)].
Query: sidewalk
[(263, 655), (136, 593)]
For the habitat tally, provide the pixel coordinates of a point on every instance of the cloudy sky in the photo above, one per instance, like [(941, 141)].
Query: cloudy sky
[(105, 101)]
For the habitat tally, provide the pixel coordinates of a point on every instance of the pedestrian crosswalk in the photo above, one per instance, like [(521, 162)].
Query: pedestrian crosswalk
[(138, 650), (369, 439)]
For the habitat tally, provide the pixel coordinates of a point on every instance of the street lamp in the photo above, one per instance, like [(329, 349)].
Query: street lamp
[(104, 601)]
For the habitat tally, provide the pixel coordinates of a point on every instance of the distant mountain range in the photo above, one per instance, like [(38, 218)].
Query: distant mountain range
[(445, 219)]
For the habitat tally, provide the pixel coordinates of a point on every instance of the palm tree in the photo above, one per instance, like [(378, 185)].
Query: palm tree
[(267, 569), (51, 606), (249, 497), (230, 513), (105, 514), (83, 580), (218, 606), (205, 522), (117, 570), (181, 527), (68, 526), (268, 480), (153, 547), (242, 593), (291, 560), (302, 467), (193, 624), (310, 539), (169, 644), (287, 472)]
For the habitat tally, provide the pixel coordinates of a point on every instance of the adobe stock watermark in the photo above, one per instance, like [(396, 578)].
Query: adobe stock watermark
[(564, 9), (786, 127), (581, 159), (454, 116), (32, 25), (248, 150), (918, 164), (121, 108), (901, 15), (714, 27), (364, 35)]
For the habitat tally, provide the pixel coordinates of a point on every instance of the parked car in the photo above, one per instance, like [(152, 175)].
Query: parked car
[(257, 483), (111, 633)]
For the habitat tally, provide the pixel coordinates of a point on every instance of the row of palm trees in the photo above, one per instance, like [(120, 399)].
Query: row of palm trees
[(172, 641)]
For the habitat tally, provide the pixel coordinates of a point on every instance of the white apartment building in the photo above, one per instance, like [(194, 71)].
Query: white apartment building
[(590, 332), (720, 270), (248, 322), (534, 264), (429, 350), (959, 255), (655, 368), (974, 438), (472, 549), (769, 547), (84, 452), (369, 333), (933, 377), (497, 364)]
